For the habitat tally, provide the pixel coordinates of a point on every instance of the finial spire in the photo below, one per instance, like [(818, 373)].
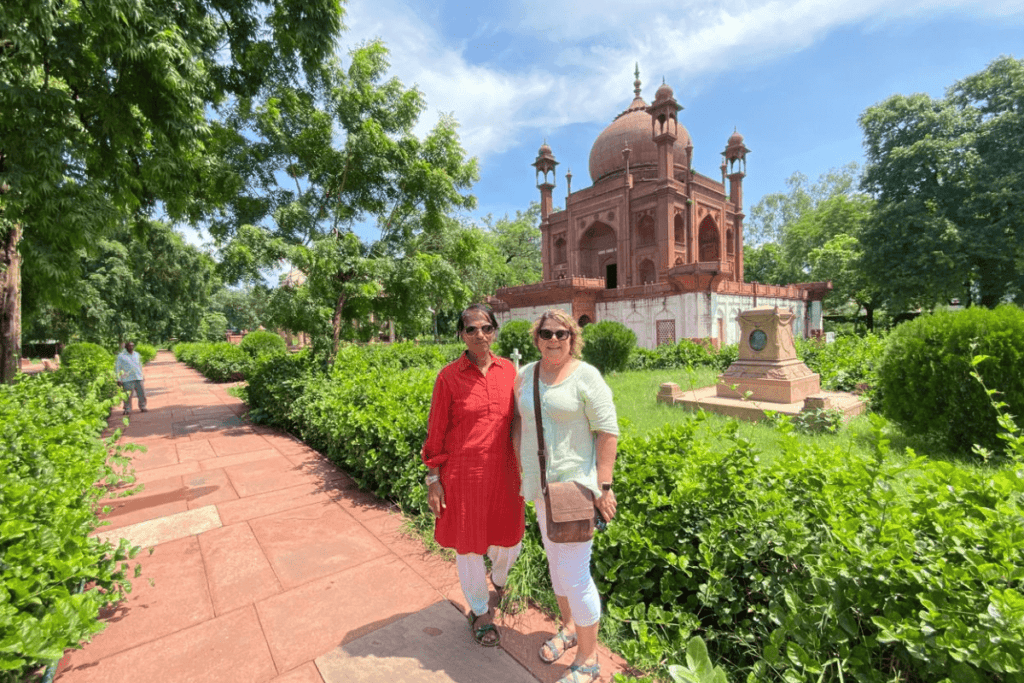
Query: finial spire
[(636, 83)]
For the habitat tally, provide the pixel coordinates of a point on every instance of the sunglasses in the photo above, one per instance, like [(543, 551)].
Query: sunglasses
[(486, 329), (560, 335)]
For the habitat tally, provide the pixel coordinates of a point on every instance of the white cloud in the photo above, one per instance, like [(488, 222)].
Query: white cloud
[(585, 74)]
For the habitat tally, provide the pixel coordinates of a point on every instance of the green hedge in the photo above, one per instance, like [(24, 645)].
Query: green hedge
[(51, 455), (262, 342), (515, 334), (218, 361), (925, 374), (820, 565)]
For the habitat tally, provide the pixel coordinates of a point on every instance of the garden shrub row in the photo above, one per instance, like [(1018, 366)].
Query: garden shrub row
[(51, 460), (820, 565), (222, 361)]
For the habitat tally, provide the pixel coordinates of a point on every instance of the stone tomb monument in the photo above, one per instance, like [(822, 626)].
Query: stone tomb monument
[(767, 368), (766, 376)]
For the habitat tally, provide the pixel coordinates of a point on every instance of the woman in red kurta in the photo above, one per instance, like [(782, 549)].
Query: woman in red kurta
[(473, 475)]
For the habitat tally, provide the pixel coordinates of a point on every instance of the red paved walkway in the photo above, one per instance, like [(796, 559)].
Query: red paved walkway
[(265, 556)]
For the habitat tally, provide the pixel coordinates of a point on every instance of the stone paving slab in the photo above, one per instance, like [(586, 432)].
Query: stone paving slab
[(429, 646), (266, 562)]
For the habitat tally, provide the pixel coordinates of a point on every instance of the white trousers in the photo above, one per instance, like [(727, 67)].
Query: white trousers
[(473, 574), (569, 566)]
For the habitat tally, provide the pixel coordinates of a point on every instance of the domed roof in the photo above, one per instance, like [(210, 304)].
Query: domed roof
[(735, 139), (664, 92), (632, 128), (545, 150)]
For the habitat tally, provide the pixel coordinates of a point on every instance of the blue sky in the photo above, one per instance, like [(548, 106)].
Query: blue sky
[(792, 76)]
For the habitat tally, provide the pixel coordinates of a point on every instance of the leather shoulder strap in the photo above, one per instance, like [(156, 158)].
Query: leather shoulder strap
[(541, 455)]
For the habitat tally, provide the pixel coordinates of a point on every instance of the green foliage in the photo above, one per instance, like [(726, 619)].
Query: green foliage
[(684, 354), (213, 327), (263, 342), (608, 345), (925, 374), (515, 334), (850, 363), (218, 361), (822, 564), (84, 365), (51, 455), (275, 385), (948, 177), (147, 352)]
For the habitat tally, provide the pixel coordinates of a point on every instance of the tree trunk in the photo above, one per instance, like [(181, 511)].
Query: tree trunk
[(336, 325), (869, 317), (10, 304)]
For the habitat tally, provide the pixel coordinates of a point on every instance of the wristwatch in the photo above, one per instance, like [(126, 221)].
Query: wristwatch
[(606, 486), (432, 479)]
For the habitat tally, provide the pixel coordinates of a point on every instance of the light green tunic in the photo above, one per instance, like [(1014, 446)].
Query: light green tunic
[(573, 411)]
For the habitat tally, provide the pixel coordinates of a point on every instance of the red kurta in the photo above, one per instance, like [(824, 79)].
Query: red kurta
[(469, 439)]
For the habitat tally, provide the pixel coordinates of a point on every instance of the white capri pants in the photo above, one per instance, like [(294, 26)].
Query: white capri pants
[(569, 566), (473, 574)]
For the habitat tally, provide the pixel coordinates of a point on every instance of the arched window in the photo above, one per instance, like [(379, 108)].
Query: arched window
[(646, 272), (645, 231), (730, 248), (560, 250), (707, 238)]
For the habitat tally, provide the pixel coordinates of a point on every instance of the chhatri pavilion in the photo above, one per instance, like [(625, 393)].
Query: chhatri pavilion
[(652, 243)]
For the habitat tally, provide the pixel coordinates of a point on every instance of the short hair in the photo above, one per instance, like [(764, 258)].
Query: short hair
[(483, 308), (565, 320)]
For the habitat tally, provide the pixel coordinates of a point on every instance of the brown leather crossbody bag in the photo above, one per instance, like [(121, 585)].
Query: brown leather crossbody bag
[(570, 506)]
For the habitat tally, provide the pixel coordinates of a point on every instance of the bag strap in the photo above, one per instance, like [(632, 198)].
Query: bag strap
[(541, 455)]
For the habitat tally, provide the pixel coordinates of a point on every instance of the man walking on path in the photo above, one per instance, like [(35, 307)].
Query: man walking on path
[(128, 372)]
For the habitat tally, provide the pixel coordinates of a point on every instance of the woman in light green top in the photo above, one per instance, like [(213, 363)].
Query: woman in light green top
[(581, 434)]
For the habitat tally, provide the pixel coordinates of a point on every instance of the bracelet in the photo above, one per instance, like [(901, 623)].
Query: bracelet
[(432, 479)]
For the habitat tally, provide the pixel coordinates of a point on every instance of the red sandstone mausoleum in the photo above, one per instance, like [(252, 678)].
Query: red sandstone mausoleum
[(652, 243)]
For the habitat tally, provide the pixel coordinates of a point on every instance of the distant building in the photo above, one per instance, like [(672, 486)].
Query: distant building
[(651, 243)]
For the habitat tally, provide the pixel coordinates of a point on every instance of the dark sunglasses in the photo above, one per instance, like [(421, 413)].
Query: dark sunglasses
[(560, 335), (486, 329)]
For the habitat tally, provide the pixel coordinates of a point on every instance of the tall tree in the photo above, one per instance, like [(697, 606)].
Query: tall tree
[(104, 116), (949, 178), (313, 160), (770, 216)]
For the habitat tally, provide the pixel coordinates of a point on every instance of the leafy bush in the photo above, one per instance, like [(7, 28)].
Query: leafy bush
[(726, 356), (925, 374), (147, 352), (275, 385), (51, 455), (608, 345), (218, 361), (685, 354), (820, 565), (262, 342), (84, 365), (515, 334), (849, 364)]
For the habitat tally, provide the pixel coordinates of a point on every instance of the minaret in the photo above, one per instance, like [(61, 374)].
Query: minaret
[(545, 164), (735, 158), (665, 128)]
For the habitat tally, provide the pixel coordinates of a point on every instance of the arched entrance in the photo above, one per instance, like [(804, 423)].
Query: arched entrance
[(598, 254), (584, 320), (646, 272), (707, 238)]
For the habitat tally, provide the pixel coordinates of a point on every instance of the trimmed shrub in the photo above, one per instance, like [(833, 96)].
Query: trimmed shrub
[(818, 562), (275, 385), (85, 364), (262, 342), (51, 457), (607, 345), (849, 364), (147, 352), (218, 361), (515, 334), (685, 354), (925, 374)]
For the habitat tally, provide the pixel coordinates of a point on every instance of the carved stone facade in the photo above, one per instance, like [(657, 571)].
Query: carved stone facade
[(650, 227)]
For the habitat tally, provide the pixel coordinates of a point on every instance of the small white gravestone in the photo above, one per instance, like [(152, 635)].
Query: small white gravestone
[(830, 337), (516, 357)]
